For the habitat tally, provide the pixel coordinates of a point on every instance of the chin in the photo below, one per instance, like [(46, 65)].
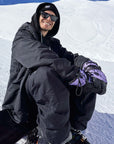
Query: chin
[(46, 29)]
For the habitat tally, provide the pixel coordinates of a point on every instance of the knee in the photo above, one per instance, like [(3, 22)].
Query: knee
[(42, 74), (44, 70), (39, 77)]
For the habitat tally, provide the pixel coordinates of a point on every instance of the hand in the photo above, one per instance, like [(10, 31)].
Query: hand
[(80, 80), (97, 77), (88, 65), (99, 81), (93, 70)]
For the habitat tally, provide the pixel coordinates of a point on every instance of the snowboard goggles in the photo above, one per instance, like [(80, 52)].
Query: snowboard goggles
[(46, 15)]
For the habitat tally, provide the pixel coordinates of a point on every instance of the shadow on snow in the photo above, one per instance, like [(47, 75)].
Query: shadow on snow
[(100, 128)]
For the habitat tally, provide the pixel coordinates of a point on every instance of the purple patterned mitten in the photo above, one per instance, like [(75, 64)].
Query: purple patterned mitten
[(80, 80)]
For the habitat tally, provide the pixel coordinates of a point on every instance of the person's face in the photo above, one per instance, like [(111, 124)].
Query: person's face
[(46, 24)]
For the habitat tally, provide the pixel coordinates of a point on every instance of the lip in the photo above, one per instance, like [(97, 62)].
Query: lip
[(46, 23)]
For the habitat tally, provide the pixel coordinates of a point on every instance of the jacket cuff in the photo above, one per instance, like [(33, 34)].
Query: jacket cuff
[(80, 60)]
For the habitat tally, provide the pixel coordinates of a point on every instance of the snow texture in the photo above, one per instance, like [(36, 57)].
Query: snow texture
[(10, 2), (87, 28)]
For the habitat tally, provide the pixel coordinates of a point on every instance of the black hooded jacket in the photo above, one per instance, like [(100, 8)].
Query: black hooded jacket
[(29, 51)]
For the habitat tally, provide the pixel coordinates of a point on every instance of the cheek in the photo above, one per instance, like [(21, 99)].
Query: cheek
[(40, 21), (41, 24), (53, 24)]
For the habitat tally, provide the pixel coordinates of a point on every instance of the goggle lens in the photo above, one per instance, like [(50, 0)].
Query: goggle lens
[(46, 15)]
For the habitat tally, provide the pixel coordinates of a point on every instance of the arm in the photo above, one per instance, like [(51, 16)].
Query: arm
[(95, 76), (32, 54), (61, 51)]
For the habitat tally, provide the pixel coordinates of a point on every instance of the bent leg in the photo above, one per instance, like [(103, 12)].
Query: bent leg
[(81, 108), (10, 132), (52, 99)]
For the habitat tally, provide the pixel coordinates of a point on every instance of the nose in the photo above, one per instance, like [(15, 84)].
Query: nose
[(49, 18)]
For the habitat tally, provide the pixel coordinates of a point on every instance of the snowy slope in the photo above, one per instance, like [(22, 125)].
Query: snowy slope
[(87, 27), (9, 2)]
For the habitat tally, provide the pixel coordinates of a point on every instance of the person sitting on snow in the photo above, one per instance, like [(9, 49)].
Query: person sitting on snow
[(50, 88)]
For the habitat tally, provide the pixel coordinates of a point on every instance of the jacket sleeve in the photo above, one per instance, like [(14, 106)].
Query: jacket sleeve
[(32, 53), (76, 59), (79, 60), (61, 51)]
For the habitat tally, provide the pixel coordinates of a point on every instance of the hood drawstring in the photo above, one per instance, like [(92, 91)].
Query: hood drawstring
[(41, 37), (79, 90), (43, 41)]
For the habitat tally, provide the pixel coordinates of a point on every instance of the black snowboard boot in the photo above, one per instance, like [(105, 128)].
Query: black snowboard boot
[(32, 137), (78, 138)]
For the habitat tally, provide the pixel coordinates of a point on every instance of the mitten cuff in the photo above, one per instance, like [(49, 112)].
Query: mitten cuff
[(80, 60)]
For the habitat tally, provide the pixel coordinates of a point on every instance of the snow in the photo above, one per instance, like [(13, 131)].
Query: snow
[(87, 28), (9, 2)]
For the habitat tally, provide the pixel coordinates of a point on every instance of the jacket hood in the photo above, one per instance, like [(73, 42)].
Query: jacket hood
[(35, 20)]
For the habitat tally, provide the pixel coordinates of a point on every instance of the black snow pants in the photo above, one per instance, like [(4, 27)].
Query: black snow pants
[(11, 132), (58, 106)]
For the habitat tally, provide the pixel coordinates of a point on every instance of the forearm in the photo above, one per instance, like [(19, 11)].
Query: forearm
[(65, 69)]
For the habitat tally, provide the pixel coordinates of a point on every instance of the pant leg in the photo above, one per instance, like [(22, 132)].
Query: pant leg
[(52, 99), (10, 132), (81, 108)]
